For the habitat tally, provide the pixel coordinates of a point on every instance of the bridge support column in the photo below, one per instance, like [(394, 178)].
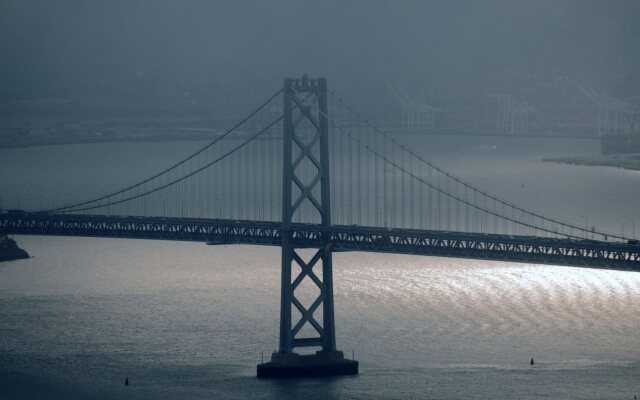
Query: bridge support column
[(310, 146)]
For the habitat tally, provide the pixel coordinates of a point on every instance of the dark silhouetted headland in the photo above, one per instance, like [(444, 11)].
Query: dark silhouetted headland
[(9, 250)]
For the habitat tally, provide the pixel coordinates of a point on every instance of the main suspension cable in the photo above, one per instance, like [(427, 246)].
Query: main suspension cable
[(464, 183), (190, 174), (177, 164), (409, 173)]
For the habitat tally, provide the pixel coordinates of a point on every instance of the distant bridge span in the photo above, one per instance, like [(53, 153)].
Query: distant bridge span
[(570, 252)]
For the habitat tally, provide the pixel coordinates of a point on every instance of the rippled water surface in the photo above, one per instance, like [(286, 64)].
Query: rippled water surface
[(186, 320)]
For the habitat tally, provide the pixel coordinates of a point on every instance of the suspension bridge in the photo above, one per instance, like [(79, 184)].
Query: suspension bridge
[(314, 182)]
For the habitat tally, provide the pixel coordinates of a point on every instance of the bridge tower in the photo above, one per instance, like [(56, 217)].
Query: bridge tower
[(310, 146)]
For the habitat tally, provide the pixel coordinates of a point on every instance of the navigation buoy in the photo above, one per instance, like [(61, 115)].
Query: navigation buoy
[(126, 381), (532, 361)]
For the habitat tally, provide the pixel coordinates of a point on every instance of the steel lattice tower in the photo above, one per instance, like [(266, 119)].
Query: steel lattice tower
[(311, 148)]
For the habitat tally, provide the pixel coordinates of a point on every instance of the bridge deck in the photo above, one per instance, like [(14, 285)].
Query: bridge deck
[(528, 249)]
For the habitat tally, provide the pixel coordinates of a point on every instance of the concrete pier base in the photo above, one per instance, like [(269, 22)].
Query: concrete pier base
[(293, 365)]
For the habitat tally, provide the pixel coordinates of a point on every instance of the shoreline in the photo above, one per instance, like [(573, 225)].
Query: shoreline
[(630, 162), (212, 135)]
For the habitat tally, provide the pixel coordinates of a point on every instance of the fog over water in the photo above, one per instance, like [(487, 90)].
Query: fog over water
[(222, 53), (97, 95)]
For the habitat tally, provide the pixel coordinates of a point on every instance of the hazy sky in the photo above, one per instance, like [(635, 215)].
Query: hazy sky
[(167, 48)]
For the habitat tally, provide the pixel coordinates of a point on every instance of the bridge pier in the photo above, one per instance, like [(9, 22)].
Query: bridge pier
[(327, 361), (293, 365)]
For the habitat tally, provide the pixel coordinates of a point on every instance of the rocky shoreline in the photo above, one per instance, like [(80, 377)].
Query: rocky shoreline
[(9, 250), (626, 161)]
